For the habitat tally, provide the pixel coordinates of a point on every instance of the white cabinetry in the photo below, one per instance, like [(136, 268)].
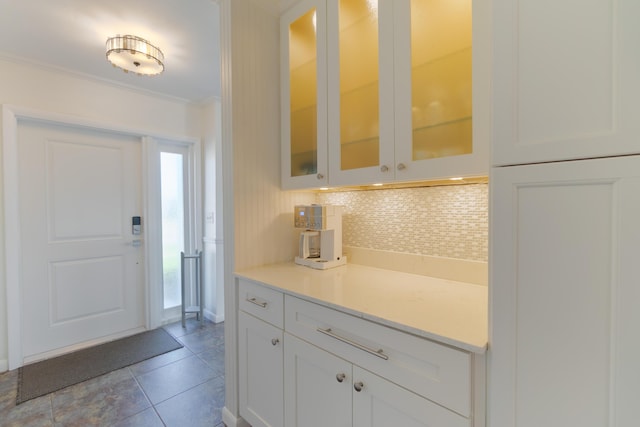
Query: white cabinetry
[(565, 80), (330, 368), (260, 355), (402, 90), (317, 386), (565, 294), (439, 373), (322, 389), (303, 85), (564, 231), (384, 91), (378, 402)]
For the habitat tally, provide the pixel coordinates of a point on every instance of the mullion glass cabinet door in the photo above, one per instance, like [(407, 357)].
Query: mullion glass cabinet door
[(359, 84), (304, 129), (441, 78), (360, 47)]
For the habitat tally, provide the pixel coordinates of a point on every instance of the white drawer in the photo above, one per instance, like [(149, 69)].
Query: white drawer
[(262, 302), (434, 371)]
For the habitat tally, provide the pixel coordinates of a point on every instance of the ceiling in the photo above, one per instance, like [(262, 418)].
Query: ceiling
[(71, 35)]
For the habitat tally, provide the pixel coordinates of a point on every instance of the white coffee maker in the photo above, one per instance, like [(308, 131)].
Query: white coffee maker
[(320, 245)]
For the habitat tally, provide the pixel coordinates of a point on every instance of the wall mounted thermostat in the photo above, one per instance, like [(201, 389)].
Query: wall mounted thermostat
[(136, 226)]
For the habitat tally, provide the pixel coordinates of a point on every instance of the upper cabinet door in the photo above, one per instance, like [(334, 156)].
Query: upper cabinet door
[(304, 95), (565, 79), (442, 74), (404, 82), (360, 75)]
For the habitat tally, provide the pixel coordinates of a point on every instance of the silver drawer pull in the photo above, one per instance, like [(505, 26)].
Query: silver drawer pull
[(255, 301), (378, 353)]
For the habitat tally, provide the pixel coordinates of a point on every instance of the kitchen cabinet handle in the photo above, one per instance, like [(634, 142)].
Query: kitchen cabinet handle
[(401, 166), (275, 341), (379, 353), (340, 377), (320, 176), (255, 301), (358, 386), (384, 168)]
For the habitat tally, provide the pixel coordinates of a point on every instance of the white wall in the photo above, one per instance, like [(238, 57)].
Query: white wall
[(258, 216), (264, 232), (62, 93)]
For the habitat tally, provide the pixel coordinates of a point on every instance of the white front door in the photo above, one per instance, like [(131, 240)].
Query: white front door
[(82, 268)]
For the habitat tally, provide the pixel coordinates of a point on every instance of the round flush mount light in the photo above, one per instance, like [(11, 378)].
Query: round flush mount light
[(135, 54)]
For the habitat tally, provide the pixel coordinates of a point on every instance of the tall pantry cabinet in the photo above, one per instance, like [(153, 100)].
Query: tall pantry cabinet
[(565, 210)]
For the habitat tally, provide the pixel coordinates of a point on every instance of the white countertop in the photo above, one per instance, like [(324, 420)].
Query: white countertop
[(450, 312)]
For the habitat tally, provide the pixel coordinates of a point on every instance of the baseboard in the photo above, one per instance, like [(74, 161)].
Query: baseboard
[(231, 420), (208, 314), (4, 365)]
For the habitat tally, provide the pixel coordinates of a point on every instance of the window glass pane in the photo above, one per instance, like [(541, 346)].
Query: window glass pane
[(172, 197)]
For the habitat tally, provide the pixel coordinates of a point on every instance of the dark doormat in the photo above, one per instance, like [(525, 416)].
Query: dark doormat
[(40, 378)]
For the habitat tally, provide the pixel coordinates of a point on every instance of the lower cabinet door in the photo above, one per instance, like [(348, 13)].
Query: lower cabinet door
[(378, 402), (318, 386), (260, 357)]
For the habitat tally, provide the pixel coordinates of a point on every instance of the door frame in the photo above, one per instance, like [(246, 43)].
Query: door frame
[(149, 168), (193, 209)]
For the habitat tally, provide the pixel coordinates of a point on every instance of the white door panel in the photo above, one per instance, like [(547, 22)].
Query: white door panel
[(81, 273), (564, 294)]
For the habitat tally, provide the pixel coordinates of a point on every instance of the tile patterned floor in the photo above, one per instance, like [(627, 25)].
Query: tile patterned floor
[(184, 387)]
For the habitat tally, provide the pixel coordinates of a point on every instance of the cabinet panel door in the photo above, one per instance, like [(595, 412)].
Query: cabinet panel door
[(442, 79), (381, 403), (260, 359), (304, 95), (564, 294), (360, 97), (565, 79), (317, 386), (437, 372)]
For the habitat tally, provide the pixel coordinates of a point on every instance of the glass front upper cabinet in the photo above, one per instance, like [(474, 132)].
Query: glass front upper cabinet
[(400, 90), (304, 128), (381, 91)]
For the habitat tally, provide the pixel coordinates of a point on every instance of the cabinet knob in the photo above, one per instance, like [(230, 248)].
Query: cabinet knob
[(320, 176), (384, 168), (358, 386), (401, 166), (275, 341), (340, 377)]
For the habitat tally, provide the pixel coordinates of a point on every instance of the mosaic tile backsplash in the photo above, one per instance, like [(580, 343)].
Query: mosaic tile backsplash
[(446, 221)]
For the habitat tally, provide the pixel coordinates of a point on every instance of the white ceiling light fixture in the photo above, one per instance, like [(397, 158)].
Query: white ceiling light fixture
[(135, 54)]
